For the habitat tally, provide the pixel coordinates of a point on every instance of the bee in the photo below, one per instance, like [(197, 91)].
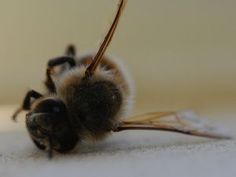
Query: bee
[(87, 98)]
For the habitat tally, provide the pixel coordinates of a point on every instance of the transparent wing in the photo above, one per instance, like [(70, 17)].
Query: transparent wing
[(186, 122)]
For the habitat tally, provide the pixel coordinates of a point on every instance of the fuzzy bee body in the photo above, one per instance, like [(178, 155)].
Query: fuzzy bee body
[(95, 105), (79, 108)]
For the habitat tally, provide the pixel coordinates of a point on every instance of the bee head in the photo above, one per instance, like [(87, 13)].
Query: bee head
[(49, 126), (52, 108)]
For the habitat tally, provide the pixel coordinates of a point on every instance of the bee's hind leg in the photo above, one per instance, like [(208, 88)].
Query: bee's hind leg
[(70, 50), (26, 102)]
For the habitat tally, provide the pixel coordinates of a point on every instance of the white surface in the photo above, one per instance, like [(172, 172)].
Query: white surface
[(122, 154)]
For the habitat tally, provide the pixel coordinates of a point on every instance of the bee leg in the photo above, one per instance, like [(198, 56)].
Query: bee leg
[(53, 63), (60, 61), (70, 50), (49, 82), (27, 102)]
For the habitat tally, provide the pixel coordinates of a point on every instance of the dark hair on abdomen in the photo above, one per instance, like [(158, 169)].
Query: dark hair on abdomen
[(98, 103)]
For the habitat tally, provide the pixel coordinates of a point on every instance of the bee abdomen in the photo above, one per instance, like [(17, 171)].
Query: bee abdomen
[(94, 106)]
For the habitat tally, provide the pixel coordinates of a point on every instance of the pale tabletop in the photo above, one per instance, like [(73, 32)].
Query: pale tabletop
[(122, 154)]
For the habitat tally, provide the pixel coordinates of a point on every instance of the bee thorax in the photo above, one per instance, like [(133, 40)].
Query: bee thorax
[(93, 107)]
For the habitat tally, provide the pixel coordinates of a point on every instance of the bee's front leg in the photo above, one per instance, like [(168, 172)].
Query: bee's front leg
[(26, 102)]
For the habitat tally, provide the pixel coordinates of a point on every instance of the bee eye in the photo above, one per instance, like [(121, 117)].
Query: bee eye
[(50, 105), (56, 109)]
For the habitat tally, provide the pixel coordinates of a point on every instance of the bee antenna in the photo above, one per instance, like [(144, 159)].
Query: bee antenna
[(50, 153), (96, 60)]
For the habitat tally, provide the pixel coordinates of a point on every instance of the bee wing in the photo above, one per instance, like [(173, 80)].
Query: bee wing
[(186, 122)]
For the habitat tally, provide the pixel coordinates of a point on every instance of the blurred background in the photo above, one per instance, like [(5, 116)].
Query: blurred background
[(181, 54)]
